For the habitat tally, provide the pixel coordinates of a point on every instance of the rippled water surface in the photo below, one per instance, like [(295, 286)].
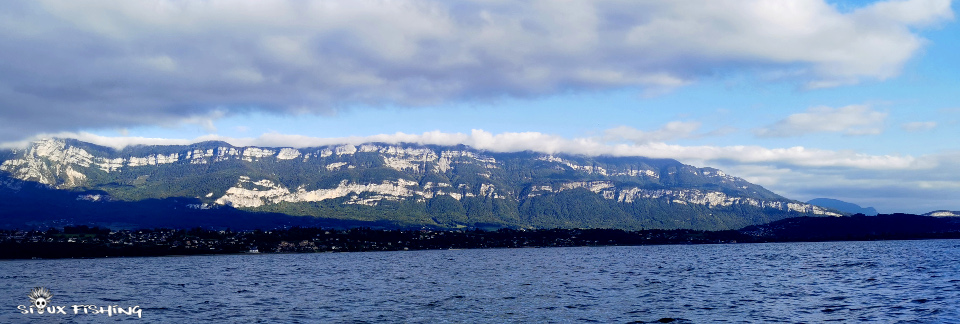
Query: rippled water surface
[(884, 282)]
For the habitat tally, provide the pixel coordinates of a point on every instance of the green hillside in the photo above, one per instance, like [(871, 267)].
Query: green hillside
[(398, 184)]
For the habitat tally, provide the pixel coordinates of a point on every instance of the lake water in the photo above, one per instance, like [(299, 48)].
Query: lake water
[(883, 282)]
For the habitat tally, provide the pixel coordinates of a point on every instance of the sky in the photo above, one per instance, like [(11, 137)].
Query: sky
[(851, 100)]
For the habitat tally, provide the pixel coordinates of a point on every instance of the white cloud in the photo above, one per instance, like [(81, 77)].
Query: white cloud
[(114, 142), (671, 131), (162, 61), (849, 120), (888, 190), (918, 13), (204, 121), (550, 144), (949, 110), (919, 126)]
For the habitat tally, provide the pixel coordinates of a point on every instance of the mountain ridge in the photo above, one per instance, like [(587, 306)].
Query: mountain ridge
[(413, 184), (846, 207)]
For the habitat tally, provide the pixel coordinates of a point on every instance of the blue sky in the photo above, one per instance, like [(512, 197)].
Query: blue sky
[(854, 100)]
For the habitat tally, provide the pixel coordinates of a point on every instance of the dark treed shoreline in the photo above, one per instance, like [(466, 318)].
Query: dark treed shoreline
[(94, 242)]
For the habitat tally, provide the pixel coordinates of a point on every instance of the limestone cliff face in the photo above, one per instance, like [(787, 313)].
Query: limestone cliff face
[(298, 179)]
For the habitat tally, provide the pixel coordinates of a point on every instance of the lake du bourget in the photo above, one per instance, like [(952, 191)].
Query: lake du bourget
[(877, 281)]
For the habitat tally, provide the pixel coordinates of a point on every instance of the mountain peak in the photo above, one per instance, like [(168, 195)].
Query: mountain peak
[(843, 206)]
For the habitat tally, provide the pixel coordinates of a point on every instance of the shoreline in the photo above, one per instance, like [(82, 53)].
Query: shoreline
[(85, 242)]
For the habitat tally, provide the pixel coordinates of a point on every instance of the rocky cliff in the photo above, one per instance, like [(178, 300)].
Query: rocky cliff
[(406, 184)]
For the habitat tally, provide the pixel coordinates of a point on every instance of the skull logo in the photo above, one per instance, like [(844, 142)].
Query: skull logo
[(40, 297)]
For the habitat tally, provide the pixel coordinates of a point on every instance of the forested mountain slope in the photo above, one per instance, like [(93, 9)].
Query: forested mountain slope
[(399, 184)]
